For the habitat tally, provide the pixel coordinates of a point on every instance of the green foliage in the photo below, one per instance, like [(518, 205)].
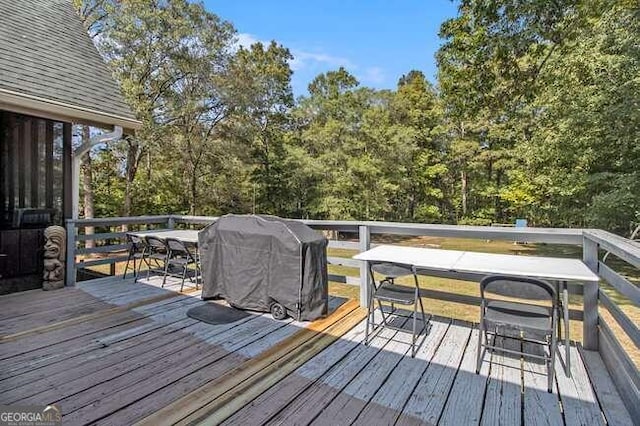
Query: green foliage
[(535, 115)]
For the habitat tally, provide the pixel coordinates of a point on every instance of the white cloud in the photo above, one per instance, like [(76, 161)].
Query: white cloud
[(301, 58), (304, 59), (318, 61), (246, 40), (373, 75)]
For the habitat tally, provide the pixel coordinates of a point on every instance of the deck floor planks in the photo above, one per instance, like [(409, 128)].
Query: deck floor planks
[(98, 339), (29, 344), (80, 303), (296, 399), (313, 399), (280, 395), (196, 379), (54, 380), (23, 303), (388, 401), (171, 355), (348, 404), (577, 397), (108, 398), (464, 405), (612, 405), (503, 400), (430, 394), (47, 344), (41, 318), (541, 408)]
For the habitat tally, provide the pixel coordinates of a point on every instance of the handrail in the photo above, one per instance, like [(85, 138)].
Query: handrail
[(625, 249)]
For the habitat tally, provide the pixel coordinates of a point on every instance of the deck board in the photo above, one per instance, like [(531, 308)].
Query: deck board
[(388, 401), (323, 391), (346, 406), (503, 396), (464, 405), (541, 408), (577, 396), (279, 396), (430, 395), (126, 365)]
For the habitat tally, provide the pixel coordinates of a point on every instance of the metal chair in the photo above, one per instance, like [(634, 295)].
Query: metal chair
[(388, 291), (137, 250), (157, 251), (180, 254), (530, 322)]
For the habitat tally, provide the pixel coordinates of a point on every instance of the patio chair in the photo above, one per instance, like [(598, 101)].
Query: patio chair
[(533, 323), (182, 255), (388, 291), (157, 251), (137, 250)]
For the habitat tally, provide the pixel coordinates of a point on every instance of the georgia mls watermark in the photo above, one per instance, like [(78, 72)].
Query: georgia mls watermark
[(30, 415)]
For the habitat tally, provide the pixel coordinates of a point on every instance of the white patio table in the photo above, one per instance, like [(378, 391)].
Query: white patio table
[(478, 265), (184, 235)]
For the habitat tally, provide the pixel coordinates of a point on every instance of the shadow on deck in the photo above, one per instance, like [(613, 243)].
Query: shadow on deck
[(113, 352)]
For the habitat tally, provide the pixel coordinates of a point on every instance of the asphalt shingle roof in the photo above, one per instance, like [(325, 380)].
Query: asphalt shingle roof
[(46, 52)]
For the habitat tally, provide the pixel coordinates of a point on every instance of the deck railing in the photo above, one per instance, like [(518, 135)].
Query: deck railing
[(598, 334)]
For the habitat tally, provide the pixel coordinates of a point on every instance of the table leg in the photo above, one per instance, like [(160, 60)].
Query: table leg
[(560, 306), (565, 306)]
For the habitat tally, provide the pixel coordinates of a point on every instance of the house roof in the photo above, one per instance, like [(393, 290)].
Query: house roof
[(50, 67)]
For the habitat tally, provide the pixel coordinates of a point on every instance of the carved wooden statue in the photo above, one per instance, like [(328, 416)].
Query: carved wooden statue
[(54, 248)]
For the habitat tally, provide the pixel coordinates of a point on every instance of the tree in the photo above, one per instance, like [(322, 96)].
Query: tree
[(260, 78), (168, 58)]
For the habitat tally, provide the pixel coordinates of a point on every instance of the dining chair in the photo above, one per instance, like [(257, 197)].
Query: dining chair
[(386, 290), (157, 251), (528, 322), (137, 250), (182, 255)]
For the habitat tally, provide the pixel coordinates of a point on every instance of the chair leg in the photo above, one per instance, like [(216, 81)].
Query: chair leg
[(126, 266), (149, 267), (480, 351), (184, 275), (551, 371), (166, 268), (135, 271), (143, 259), (384, 316), (413, 335)]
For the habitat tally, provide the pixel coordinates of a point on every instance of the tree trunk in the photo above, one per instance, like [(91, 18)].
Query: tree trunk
[(133, 159), (193, 188), (87, 187), (464, 181)]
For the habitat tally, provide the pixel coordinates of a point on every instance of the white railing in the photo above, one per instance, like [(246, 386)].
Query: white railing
[(597, 333)]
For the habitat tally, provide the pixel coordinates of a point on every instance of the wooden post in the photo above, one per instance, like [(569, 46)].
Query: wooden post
[(590, 297), (70, 274), (365, 279)]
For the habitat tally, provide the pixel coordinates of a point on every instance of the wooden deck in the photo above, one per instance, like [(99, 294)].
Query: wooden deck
[(113, 352)]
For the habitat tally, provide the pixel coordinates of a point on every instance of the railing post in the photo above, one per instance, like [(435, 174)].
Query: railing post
[(590, 297), (365, 279), (70, 274), (171, 222)]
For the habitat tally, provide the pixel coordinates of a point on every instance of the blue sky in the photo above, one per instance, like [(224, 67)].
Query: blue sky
[(378, 41)]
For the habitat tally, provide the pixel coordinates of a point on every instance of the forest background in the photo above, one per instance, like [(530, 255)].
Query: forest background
[(535, 114)]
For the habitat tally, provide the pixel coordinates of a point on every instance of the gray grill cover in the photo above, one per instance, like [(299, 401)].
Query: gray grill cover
[(253, 261)]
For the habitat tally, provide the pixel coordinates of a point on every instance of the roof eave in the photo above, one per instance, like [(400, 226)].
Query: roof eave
[(54, 110)]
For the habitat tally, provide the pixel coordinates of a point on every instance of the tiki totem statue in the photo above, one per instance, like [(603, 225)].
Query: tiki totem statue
[(54, 246)]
